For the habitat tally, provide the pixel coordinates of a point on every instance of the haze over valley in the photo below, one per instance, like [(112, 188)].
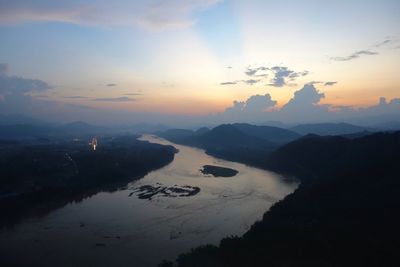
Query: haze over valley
[(192, 133)]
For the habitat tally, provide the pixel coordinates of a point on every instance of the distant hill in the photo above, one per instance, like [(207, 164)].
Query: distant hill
[(238, 134), (328, 129)]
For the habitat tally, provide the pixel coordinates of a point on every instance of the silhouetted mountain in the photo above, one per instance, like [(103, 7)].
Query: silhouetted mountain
[(344, 213), (238, 142), (273, 134), (226, 141), (202, 130), (229, 135), (328, 129)]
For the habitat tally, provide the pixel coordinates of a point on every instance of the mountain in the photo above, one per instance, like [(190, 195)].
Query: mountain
[(270, 133), (237, 142), (328, 129), (344, 212)]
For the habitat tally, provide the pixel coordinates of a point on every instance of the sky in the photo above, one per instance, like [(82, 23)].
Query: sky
[(176, 61)]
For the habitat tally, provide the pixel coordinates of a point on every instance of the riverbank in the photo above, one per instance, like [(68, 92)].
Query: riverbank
[(37, 179)]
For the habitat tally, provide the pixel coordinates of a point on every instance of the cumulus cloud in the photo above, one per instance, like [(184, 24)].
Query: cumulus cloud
[(355, 55), (305, 107), (259, 103), (154, 15), (253, 109), (254, 104), (114, 99), (16, 92), (304, 98), (18, 85)]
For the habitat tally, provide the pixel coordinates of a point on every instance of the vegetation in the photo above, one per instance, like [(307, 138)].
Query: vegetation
[(218, 171), (344, 213), (39, 177)]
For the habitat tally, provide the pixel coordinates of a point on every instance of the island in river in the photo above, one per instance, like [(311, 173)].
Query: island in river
[(218, 171)]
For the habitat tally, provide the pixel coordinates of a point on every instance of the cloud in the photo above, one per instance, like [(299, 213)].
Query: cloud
[(19, 85), (173, 14), (251, 81), (355, 55), (259, 103), (330, 83), (383, 43), (114, 99), (111, 84), (304, 98), (256, 72), (16, 92), (133, 94), (254, 104), (76, 97), (283, 75), (153, 15), (229, 83), (248, 82)]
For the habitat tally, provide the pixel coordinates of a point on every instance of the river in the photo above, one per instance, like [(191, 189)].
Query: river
[(120, 229)]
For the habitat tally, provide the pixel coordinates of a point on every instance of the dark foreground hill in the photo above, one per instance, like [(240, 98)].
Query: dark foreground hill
[(344, 213)]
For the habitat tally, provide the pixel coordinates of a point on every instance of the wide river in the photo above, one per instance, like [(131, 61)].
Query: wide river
[(120, 229)]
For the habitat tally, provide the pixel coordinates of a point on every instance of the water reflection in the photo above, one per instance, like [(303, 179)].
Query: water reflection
[(122, 229)]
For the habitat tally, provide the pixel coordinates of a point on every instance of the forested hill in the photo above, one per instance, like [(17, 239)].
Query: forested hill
[(344, 213)]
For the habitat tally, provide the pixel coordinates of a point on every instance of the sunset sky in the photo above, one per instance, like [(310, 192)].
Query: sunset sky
[(195, 57)]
